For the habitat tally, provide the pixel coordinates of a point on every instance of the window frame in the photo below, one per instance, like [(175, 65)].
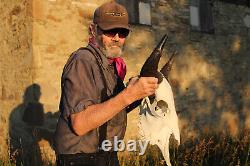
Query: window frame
[(205, 16), (132, 7)]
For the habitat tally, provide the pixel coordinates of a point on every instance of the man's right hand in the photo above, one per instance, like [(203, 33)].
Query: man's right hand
[(139, 88)]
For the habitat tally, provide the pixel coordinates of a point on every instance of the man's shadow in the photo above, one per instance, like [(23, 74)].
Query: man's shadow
[(26, 129)]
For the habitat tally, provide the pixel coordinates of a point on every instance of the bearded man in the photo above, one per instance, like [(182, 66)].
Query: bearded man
[(94, 100)]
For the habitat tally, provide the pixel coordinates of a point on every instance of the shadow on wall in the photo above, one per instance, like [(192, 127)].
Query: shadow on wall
[(29, 125), (215, 97)]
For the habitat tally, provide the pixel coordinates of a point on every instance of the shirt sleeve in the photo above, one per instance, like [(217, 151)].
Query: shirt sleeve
[(78, 86)]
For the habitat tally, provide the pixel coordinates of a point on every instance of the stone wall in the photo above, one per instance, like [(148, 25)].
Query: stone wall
[(15, 60), (210, 75)]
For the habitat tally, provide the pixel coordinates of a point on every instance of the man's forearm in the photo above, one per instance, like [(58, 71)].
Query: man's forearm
[(95, 115)]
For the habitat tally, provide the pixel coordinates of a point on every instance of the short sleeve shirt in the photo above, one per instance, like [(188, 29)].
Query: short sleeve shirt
[(87, 79)]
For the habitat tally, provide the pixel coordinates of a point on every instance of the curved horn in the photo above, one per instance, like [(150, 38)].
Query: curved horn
[(150, 66), (167, 67)]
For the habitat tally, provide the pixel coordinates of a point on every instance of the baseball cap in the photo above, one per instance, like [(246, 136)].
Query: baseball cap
[(111, 15)]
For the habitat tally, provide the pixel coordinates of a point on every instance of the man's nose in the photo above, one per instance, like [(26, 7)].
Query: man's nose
[(116, 37)]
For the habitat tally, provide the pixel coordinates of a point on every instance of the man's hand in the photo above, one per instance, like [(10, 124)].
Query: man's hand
[(139, 88)]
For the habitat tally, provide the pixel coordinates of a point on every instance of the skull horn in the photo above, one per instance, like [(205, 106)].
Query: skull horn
[(149, 68), (167, 67)]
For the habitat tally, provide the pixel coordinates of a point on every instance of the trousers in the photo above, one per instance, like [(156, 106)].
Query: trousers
[(88, 159)]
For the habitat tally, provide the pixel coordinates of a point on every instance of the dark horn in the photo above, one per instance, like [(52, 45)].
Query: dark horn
[(167, 67), (162, 43), (149, 68)]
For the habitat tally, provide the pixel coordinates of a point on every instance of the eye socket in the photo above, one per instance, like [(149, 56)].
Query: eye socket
[(162, 105)]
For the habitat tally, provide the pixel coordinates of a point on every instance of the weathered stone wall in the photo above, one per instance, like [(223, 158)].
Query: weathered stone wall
[(15, 60), (59, 27), (210, 76)]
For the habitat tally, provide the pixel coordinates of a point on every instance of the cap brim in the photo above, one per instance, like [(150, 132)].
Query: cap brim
[(108, 26)]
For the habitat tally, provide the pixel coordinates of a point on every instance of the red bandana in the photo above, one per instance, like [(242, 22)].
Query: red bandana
[(120, 66)]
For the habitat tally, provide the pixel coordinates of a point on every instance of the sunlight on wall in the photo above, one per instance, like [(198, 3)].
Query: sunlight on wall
[(246, 109), (193, 70), (236, 45), (139, 45)]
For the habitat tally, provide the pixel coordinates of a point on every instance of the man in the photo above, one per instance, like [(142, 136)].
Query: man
[(94, 100)]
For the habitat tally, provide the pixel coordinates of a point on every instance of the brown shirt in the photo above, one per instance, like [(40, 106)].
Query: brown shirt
[(87, 80)]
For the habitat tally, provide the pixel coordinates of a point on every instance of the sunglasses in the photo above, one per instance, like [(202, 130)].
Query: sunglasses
[(122, 32)]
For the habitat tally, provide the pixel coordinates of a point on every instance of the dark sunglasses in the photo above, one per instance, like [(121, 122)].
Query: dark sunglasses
[(122, 32)]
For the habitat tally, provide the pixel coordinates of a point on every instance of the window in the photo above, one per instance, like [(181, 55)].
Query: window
[(139, 11), (144, 13), (201, 16), (247, 20)]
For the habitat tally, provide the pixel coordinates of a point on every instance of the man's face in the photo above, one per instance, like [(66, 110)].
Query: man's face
[(112, 41)]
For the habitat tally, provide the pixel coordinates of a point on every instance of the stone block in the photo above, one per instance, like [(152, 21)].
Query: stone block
[(39, 9)]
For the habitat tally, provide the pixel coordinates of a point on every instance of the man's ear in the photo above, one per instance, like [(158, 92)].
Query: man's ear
[(92, 30)]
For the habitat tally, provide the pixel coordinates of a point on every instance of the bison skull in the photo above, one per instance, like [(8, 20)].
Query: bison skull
[(158, 119)]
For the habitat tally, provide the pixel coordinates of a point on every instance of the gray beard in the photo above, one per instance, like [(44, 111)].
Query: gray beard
[(112, 52)]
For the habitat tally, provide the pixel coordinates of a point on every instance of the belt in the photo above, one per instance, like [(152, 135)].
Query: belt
[(90, 155)]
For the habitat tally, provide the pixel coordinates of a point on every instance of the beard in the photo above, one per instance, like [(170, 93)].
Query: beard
[(111, 50)]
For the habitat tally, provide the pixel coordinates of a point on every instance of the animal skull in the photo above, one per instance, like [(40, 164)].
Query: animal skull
[(158, 118)]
